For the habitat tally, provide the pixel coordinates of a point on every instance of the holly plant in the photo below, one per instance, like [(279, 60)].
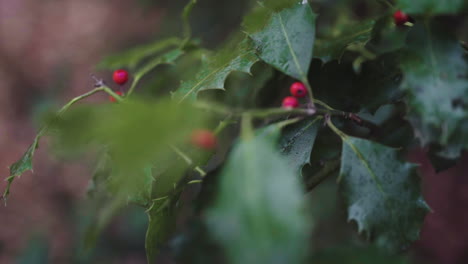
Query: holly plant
[(240, 134)]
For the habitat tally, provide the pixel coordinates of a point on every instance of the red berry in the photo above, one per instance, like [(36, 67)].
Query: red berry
[(400, 18), (298, 90), (112, 99), (290, 102), (120, 77), (204, 139)]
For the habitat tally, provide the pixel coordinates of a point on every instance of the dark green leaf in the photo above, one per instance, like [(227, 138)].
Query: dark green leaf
[(432, 7), (286, 42), (436, 81), (259, 215), (382, 193), (332, 47), (213, 74), (297, 142)]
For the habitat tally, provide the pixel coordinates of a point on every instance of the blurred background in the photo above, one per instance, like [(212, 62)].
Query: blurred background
[(48, 51)]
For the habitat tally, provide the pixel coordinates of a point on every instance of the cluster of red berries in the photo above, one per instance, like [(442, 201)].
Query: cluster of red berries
[(297, 90), (120, 77)]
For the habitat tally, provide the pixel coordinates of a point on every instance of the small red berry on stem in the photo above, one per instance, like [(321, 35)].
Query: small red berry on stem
[(400, 18), (290, 102), (120, 77), (112, 99), (298, 90), (204, 139)]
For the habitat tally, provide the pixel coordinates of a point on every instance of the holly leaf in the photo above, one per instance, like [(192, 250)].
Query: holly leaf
[(131, 58), (436, 83), (432, 7), (268, 222), (24, 164), (297, 141), (286, 41), (161, 223), (332, 47), (213, 74), (382, 193)]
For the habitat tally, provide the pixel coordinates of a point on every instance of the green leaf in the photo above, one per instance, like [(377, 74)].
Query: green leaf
[(382, 193), (436, 83), (286, 42), (297, 142), (432, 7), (136, 134), (161, 224), (259, 215), (213, 74), (131, 58), (22, 165), (332, 47)]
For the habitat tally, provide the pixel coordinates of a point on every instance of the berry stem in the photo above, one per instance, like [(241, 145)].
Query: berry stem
[(309, 89), (188, 160), (340, 133), (79, 98), (133, 86), (246, 127)]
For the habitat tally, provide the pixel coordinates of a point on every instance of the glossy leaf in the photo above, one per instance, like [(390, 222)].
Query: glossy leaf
[(286, 41), (382, 193), (259, 215), (297, 141), (436, 81), (432, 7), (213, 74), (22, 165)]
